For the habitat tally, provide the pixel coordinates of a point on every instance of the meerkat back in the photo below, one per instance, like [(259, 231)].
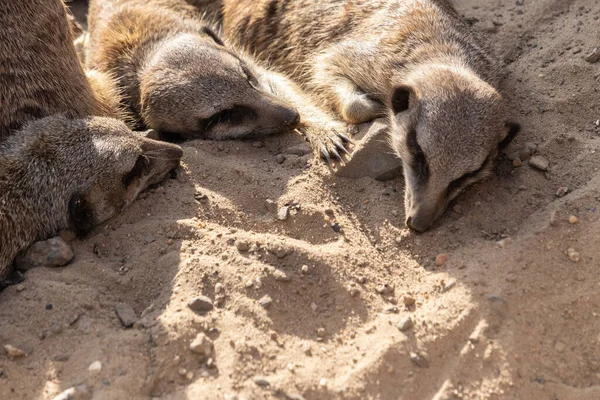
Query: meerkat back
[(41, 73)]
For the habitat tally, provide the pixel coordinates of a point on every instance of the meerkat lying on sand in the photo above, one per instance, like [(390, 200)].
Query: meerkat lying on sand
[(414, 61), (59, 167), (178, 77)]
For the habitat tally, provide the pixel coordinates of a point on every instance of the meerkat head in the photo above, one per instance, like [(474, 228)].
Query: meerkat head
[(196, 88), (128, 163), (87, 170), (446, 126)]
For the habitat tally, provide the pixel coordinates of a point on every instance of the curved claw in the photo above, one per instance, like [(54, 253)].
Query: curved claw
[(325, 154), (345, 138), (341, 147), (335, 153)]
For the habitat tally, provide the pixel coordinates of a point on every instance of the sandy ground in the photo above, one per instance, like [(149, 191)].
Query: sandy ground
[(508, 316)]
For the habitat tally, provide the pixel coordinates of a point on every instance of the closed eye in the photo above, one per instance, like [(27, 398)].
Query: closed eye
[(249, 76), (419, 161), (461, 182)]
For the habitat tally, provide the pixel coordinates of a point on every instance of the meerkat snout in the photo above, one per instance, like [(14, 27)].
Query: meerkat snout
[(446, 126)]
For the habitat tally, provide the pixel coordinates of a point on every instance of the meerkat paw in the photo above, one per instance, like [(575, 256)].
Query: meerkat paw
[(13, 278), (329, 142)]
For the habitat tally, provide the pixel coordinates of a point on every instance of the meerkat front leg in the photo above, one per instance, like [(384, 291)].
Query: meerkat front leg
[(354, 106), (324, 133), (332, 80)]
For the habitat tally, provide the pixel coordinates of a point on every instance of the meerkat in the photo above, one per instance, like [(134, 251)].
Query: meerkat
[(413, 61), (60, 173), (39, 65), (179, 78), (59, 166)]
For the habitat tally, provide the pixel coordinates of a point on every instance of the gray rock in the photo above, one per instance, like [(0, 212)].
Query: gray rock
[(419, 360), (53, 252), (126, 314), (594, 56), (200, 304), (562, 191), (539, 162), (280, 158), (266, 301), (405, 324), (242, 245), (261, 381), (283, 213), (81, 392), (372, 155)]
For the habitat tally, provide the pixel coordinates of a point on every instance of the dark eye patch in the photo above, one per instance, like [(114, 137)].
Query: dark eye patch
[(460, 182), (419, 161), (141, 164)]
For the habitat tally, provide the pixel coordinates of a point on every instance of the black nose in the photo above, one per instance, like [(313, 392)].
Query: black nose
[(417, 226), (293, 119)]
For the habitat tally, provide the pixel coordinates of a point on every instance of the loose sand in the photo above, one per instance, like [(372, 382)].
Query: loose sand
[(508, 316)]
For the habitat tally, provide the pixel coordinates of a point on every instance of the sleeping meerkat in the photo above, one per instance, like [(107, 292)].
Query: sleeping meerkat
[(59, 166), (178, 77), (413, 61)]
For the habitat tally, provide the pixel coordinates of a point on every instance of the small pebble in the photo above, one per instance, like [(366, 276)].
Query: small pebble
[(323, 382), (385, 289), (126, 314), (405, 324), (441, 259), (408, 300), (560, 347), (49, 306), (573, 255), (517, 162), (94, 367), (202, 345), (53, 252), (200, 304), (573, 220), (280, 158), (219, 288), (562, 191), (13, 352), (283, 213), (81, 392), (20, 288), (419, 360), (539, 162), (337, 228), (304, 269), (190, 375), (257, 144), (594, 56), (314, 307), (242, 245), (321, 332), (261, 381), (266, 301)]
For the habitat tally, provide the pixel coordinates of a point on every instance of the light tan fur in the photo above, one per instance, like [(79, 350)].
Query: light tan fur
[(411, 60), (59, 167)]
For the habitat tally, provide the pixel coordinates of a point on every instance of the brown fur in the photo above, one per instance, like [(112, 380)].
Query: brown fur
[(58, 173), (411, 60), (177, 76), (35, 63), (59, 167)]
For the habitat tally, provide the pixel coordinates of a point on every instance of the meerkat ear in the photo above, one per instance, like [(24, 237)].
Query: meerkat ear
[(401, 98), (149, 134), (213, 35), (508, 134)]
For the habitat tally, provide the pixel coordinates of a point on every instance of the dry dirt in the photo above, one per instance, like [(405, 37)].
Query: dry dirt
[(501, 319)]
